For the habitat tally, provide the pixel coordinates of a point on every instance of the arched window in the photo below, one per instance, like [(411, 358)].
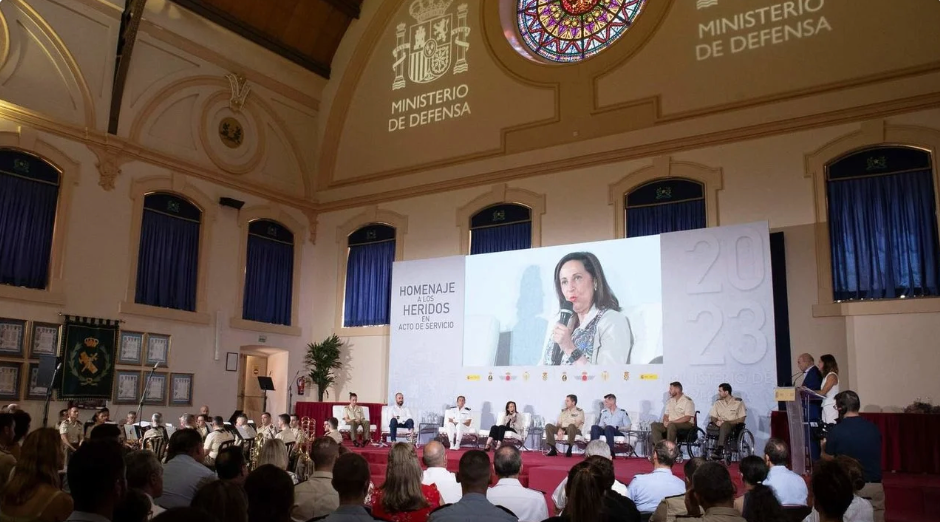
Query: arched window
[(269, 273), (371, 252), (573, 30), (29, 193), (883, 224), (168, 259), (665, 205), (500, 228)]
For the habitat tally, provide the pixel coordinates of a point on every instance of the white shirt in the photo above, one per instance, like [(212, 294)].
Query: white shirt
[(613, 338), (561, 499), (789, 488), (460, 416), (446, 483), (401, 412), (649, 489), (860, 510), (528, 504)]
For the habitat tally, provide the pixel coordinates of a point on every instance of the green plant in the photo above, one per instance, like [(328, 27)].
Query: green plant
[(322, 362)]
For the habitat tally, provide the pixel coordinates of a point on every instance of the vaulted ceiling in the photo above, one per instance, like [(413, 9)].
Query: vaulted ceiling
[(306, 32)]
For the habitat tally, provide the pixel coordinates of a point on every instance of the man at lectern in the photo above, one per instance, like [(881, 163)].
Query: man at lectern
[(811, 379), (457, 422)]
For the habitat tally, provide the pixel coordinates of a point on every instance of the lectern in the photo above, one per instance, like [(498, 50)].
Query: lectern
[(798, 400)]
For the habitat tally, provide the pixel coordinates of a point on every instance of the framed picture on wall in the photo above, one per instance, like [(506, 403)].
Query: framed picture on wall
[(132, 348), (44, 340), (127, 386), (155, 392), (34, 392), (10, 380), (181, 389), (11, 336), (158, 350), (231, 362)]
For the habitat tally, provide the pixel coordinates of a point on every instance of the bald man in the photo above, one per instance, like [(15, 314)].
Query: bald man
[(812, 379), (435, 458)]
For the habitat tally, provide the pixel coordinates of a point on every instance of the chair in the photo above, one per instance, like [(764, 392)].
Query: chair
[(797, 513), (692, 439), (157, 445), (387, 432), (741, 443), (470, 437), (581, 440), (622, 444), (343, 427)]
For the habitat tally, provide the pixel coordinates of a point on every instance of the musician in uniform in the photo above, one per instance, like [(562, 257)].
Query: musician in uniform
[(71, 431)]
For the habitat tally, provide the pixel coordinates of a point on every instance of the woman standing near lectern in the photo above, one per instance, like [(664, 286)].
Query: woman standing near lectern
[(830, 387), (597, 333)]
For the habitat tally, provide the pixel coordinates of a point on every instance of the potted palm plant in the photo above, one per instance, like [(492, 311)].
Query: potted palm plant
[(322, 362)]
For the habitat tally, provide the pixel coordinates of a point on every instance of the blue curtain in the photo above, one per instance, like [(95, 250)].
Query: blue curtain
[(269, 275), (883, 236), (168, 261), (368, 284), (514, 236), (668, 217), (27, 218)]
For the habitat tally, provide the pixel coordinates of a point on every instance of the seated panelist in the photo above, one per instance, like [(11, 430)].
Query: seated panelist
[(612, 423), (569, 423), (727, 412), (457, 421)]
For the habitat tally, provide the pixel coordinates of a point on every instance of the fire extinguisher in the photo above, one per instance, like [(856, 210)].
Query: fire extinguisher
[(301, 384)]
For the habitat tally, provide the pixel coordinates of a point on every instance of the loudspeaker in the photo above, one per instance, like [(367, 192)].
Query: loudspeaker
[(231, 202)]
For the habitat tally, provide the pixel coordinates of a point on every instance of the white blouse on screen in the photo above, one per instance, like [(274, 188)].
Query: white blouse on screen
[(613, 338)]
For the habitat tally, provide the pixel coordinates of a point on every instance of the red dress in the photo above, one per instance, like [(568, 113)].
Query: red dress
[(431, 494)]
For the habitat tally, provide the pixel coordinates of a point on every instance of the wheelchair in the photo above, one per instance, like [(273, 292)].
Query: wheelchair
[(693, 440), (740, 443)]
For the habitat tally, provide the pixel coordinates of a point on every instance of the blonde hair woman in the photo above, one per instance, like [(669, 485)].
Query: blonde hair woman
[(33, 493), (402, 498), (274, 452)]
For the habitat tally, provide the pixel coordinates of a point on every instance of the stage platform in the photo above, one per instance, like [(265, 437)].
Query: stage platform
[(910, 497)]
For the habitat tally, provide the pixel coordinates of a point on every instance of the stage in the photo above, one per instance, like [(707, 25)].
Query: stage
[(909, 497)]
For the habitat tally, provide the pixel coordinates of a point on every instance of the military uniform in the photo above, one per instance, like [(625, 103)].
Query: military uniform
[(676, 408), (72, 431), (357, 419), (472, 507), (570, 421), (731, 412)]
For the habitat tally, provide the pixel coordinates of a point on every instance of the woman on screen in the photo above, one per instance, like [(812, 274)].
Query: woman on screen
[(598, 333)]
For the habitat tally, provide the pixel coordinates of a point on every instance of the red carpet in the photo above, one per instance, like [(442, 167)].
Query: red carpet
[(909, 497)]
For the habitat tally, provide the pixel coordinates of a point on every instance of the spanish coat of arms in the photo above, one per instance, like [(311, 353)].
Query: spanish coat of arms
[(432, 43)]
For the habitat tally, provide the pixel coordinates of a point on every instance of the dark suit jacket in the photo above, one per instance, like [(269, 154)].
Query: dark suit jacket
[(813, 381)]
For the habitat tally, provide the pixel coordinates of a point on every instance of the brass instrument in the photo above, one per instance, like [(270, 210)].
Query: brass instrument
[(256, 450), (306, 433)]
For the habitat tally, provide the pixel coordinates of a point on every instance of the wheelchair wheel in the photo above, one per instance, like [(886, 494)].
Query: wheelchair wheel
[(696, 441), (745, 446)]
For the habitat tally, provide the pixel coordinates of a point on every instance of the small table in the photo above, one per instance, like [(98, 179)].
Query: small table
[(426, 428), (638, 437), (534, 433)]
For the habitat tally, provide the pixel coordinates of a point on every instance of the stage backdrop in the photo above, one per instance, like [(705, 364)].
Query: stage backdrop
[(694, 306)]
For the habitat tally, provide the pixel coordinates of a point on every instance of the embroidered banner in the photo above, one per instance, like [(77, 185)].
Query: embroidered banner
[(88, 365)]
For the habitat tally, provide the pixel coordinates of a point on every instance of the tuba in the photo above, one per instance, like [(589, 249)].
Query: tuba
[(303, 464), (256, 450)]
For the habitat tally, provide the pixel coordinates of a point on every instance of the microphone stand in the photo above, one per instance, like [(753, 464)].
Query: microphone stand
[(143, 394), (290, 393), (45, 406)]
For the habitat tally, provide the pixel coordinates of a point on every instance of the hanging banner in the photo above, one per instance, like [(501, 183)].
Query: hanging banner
[(88, 364)]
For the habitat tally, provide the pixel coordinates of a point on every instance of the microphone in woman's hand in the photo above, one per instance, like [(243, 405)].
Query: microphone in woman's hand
[(565, 316)]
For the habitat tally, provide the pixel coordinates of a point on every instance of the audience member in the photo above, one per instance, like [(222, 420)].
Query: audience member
[(860, 510), (7, 460), (435, 459), (184, 472), (274, 451), (474, 477), (403, 498), (789, 487), (106, 432), (649, 489), (226, 500), (351, 482), (761, 505), (832, 491), (753, 471), (270, 494), (32, 492), (590, 497), (528, 504), (21, 426), (331, 430), (316, 496), (96, 476), (135, 506), (230, 465), (213, 441), (594, 448), (145, 474), (674, 506), (713, 490), (860, 439)]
